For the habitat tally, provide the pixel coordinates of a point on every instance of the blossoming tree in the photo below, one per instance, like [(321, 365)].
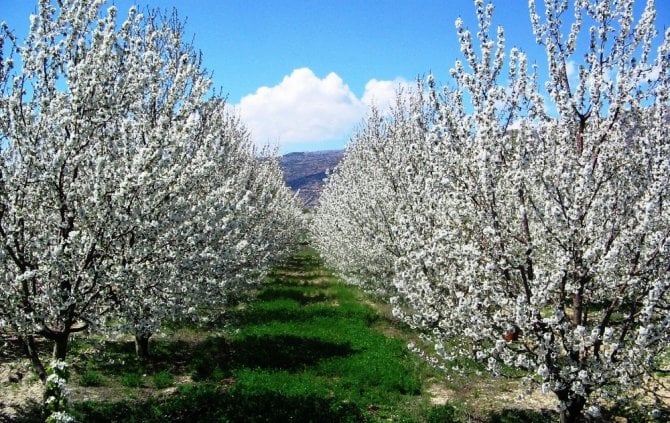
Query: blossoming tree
[(126, 186), (547, 247), (359, 238)]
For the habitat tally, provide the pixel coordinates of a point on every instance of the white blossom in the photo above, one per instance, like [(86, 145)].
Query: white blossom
[(491, 219), (129, 191)]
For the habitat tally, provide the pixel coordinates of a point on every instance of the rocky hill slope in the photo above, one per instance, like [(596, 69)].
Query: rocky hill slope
[(305, 172)]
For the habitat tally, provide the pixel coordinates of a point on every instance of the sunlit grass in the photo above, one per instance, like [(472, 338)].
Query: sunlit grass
[(308, 348)]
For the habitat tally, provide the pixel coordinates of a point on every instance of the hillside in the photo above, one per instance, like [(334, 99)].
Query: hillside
[(305, 172)]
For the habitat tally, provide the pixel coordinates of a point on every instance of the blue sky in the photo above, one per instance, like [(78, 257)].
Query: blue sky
[(302, 73)]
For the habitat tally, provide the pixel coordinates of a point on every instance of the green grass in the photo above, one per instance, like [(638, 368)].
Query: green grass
[(315, 341), (91, 377), (308, 348), (132, 380), (305, 350), (162, 380)]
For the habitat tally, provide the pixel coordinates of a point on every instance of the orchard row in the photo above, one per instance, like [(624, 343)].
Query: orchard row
[(520, 218), (129, 193)]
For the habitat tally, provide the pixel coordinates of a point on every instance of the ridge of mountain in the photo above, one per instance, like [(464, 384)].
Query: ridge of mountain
[(304, 172)]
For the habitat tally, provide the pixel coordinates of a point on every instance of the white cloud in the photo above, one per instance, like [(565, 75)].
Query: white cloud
[(382, 94), (304, 111), (301, 108)]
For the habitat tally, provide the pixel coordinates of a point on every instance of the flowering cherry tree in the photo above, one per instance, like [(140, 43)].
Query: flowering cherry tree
[(359, 238), (127, 189), (547, 244), (223, 218)]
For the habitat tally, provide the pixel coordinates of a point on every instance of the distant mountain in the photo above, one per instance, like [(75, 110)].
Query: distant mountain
[(305, 172)]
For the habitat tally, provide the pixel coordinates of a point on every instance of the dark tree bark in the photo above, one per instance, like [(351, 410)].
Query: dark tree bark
[(32, 353), (61, 343), (142, 345), (573, 412)]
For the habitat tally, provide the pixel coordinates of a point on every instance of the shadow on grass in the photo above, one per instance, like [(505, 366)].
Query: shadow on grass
[(28, 413), (291, 293), (166, 355), (287, 278), (216, 357), (13, 349), (284, 352), (283, 313), (304, 262), (210, 359), (513, 415), (208, 403)]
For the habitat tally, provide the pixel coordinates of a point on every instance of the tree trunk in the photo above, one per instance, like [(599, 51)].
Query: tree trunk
[(577, 308), (571, 412), (32, 353), (142, 345), (61, 342), (578, 300)]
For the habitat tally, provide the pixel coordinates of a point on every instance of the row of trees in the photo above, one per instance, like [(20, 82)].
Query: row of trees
[(129, 191), (528, 223)]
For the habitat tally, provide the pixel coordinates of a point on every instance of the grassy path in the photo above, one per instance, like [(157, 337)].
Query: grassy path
[(307, 349), (304, 350), (308, 343)]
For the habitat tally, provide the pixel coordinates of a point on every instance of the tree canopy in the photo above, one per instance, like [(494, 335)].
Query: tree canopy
[(129, 190), (527, 221)]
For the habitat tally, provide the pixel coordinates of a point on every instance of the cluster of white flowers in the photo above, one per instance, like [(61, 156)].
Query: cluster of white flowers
[(535, 239), (129, 191), (56, 393)]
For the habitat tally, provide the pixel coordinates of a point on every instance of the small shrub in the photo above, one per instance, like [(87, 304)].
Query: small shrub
[(91, 378), (442, 414), (163, 380), (132, 380), (56, 394)]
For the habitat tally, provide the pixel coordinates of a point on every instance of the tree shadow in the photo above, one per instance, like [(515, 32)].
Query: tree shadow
[(210, 359), (275, 407), (174, 356), (262, 316), (513, 415), (208, 403), (302, 263), (26, 413), (284, 352), (13, 349), (291, 293), (216, 357)]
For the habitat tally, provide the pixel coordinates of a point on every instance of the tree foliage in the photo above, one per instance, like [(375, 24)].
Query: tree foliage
[(128, 189), (380, 168), (532, 223)]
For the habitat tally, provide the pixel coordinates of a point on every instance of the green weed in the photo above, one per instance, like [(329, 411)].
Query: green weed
[(132, 380), (162, 380), (91, 377)]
